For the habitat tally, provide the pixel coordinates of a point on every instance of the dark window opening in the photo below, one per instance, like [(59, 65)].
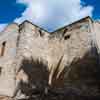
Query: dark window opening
[(67, 37), (65, 31), (3, 48), (41, 34), (0, 70)]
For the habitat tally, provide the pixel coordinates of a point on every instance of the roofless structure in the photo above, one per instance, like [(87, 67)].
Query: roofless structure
[(26, 41)]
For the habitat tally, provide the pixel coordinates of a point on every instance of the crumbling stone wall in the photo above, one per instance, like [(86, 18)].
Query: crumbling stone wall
[(7, 73), (69, 43), (76, 41), (96, 27)]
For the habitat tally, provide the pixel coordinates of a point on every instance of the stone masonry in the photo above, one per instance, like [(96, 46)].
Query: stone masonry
[(18, 42)]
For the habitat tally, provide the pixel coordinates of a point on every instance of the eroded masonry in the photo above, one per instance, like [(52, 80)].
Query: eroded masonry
[(27, 41)]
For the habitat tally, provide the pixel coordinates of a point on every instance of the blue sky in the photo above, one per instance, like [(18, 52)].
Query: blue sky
[(49, 14), (96, 6)]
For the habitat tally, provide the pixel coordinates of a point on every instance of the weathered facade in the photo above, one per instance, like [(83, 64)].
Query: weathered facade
[(19, 42)]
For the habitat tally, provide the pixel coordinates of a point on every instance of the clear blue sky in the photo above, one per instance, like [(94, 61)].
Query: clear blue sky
[(9, 10), (51, 16)]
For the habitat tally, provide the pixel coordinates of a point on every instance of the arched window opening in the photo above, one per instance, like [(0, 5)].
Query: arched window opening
[(3, 48), (0, 70), (41, 33)]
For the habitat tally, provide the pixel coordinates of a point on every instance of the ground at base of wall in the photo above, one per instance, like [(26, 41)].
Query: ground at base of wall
[(65, 98), (5, 98), (69, 93)]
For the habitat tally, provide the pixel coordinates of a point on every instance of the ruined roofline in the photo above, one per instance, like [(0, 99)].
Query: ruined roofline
[(8, 26), (87, 17), (26, 21)]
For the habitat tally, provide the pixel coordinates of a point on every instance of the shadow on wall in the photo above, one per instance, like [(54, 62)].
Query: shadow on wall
[(37, 77), (86, 68), (82, 81)]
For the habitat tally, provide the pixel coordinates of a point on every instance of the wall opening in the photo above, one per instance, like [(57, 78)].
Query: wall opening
[(67, 37), (0, 70), (65, 31), (41, 33), (3, 49)]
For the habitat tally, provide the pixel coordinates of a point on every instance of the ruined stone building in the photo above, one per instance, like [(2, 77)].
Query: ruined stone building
[(25, 41)]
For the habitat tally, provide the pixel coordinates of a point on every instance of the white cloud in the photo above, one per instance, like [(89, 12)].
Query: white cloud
[(52, 14), (2, 26)]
